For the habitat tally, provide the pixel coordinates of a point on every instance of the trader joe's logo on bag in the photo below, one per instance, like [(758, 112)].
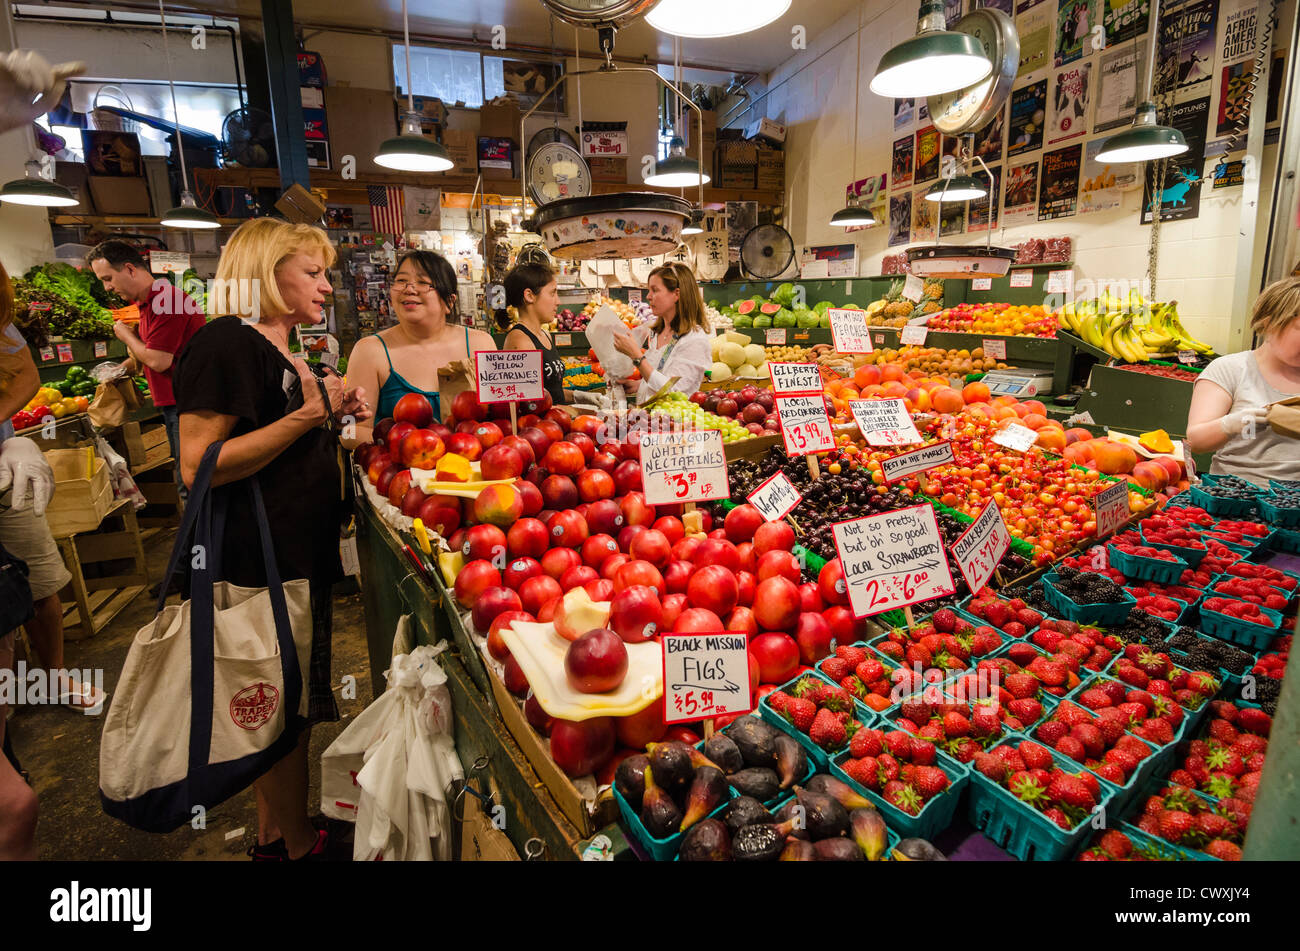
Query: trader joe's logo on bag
[(253, 707)]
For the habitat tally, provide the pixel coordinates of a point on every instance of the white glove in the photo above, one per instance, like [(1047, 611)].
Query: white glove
[(30, 86), (23, 467), (1245, 422)]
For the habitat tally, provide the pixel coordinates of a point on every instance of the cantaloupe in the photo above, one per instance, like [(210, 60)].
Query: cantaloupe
[(747, 370), (754, 354), (732, 354), (719, 372), (741, 339)]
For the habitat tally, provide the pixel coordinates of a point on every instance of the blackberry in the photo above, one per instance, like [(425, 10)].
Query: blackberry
[(1267, 690)]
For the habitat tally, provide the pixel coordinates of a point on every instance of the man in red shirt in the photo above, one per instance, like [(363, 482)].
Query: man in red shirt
[(168, 319)]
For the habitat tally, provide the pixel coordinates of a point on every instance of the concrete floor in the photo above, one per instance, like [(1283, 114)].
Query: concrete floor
[(59, 748)]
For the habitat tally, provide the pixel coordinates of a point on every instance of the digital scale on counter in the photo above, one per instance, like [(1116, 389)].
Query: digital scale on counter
[(1018, 383)]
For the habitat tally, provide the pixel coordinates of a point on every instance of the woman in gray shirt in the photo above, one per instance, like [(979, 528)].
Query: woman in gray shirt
[(1230, 401)]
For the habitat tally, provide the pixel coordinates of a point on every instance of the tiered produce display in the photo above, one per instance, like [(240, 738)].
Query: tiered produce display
[(1084, 673), (1133, 330)]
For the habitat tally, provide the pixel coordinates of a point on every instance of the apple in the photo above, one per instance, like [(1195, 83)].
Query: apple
[(777, 656), (397, 486), (831, 584), (485, 542), (779, 564), (531, 496), (810, 598), (717, 551), (813, 635), (585, 444), (602, 589), (639, 572), (677, 575), (577, 576), (412, 501), (578, 612), (514, 678), (581, 748), (568, 529), (746, 584), (473, 579), (773, 536), (501, 462), (559, 492), (640, 729), (537, 718), (490, 603), (564, 458), (496, 644), (651, 545), (537, 590), (715, 588), (698, 621), (438, 516), (627, 477), (466, 406), (612, 563), (604, 461), (528, 537), (742, 619), (556, 561), (594, 485), (635, 509), (488, 434), (519, 570), (421, 449), (674, 605), (396, 434), (538, 440), (776, 604), (636, 614)]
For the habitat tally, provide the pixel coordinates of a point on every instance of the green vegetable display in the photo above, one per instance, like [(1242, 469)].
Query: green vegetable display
[(74, 311)]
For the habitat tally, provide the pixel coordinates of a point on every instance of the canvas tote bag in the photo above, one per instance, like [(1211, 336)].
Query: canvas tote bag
[(210, 690)]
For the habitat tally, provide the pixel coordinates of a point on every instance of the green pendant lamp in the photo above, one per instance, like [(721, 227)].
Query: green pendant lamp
[(957, 188), (35, 189), (412, 150), (187, 214), (854, 214), (932, 62), (695, 225), (677, 170), (1146, 140)]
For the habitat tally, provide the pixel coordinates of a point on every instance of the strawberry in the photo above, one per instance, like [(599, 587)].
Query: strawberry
[(1071, 747), (1035, 755), (1181, 777), (1053, 673), (777, 700), (866, 743), (1254, 720), (1223, 731), (1090, 736), (1052, 731), (984, 721), (1021, 686), (1132, 675), (899, 744), (837, 699), (1070, 791), (1116, 844), (1027, 788), (851, 655), (1175, 825), (866, 771), (1125, 760), (904, 798), (1158, 730), (1110, 772), (930, 781), (1142, 697), (869, 670), (945, 619), (1095, 699), (924, 753), (1214, 826), (914, 708), (1111, 729), (827, 731), (801, 712), (1225, 850), (956, 725), (1071, 715), (1058, 817), (836, 668), (1026, 711)]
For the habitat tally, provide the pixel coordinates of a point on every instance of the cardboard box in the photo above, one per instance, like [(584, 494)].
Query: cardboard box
[(710, 120), (359, 121), (736, 176), (145, 445), (500, 120), (83, 493), (76, 178), (119, 196), (770, 174), (462, 148), (766, 130), (536, 750), (611, 170)]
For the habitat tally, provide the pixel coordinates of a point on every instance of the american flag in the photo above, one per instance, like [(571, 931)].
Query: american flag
[(386, 209)]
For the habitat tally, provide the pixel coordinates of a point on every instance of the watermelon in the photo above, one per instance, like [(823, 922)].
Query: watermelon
[(825, 321), (822, 306), (784, 318), (745, 307), (784, 295), (771, 309), (742, 320), (762, 321), (806, 319)]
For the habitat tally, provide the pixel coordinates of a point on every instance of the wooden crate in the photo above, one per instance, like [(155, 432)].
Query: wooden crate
[(108, 572), (145, 445), (157, 483)]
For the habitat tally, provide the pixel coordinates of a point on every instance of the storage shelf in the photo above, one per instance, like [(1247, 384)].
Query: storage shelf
[(125, 221)]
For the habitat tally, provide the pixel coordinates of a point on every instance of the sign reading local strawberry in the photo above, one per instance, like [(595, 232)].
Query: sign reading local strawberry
[(892, 560), (994, 348), (917, 460), (689, 466), (705, 675), (775, 498), (1111, 508), (980, 548), (804, 425), (790, 378), (507, 376), (884, 422), (849, 330)]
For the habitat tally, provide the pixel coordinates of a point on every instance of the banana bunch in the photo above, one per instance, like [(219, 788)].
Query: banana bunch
[(1110, 323)]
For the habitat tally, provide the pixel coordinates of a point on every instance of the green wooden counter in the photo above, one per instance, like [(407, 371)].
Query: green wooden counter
[(390, 588)]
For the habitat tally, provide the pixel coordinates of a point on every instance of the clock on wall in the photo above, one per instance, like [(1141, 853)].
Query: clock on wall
[(557, 171)]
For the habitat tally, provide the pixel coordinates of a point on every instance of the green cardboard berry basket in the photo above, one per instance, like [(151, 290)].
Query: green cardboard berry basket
[(1279, 515), (1165, 851), (933, 818), (1104, 614), (1146, 569), (819, 757), (1192, 556), (1236, 631), (1223, 507)]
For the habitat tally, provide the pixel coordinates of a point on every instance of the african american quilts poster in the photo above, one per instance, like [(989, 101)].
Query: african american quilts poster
[(1028, 116), (1180, 197), (1070, 103), (1021, 205), (901, 167), (1059, 194), (1237, 25)]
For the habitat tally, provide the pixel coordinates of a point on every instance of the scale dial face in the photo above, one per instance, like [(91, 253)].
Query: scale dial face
[(970, 109), (557, 171), (592, 12)]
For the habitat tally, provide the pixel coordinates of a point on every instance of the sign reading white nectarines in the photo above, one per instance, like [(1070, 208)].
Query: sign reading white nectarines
[(892, 560), (705, 675), (506, 376), (687, 466)]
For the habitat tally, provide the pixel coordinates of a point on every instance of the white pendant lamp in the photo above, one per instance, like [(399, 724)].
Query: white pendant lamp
[(36, 190), (1146, 140), (677, 170), (853, 214), (714, 18), (412, 150), (187, 214), (934, 61)]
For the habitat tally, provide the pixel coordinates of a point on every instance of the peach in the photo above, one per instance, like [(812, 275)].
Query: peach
[(1150, 475), (975, 393), (947, 400), (1172, 467), (1053, 440), (1034, 420), (1112, 458), (1076, 434)]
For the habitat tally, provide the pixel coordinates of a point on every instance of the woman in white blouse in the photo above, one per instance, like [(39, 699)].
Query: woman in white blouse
[(678, 343)]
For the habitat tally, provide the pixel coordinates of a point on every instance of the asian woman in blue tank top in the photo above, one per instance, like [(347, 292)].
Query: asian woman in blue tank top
[(406, 358)]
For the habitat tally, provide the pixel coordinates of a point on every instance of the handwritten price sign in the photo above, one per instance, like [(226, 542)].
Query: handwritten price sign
[(884, 422), (509, 375), (805, 425), (913, 335), (788, 378), (775, 498), (775, 336), (1111, 506), (980, 548), (994, 348), (892, 560), (1016, 437), (849, 330), (918, 460), (705, 675), (689, 466)]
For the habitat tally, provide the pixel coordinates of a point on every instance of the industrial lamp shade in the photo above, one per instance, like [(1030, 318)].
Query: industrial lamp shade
[(691, 18), (696, 223), (188, 215), (959, 188), (36, 191), (412, 151), (934, 61), (677, 171), (851, 216), (1145, 141)]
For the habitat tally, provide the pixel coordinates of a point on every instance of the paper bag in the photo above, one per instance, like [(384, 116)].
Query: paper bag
[(453, 379), (1284, 417), (600, 334), (113, 403)]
